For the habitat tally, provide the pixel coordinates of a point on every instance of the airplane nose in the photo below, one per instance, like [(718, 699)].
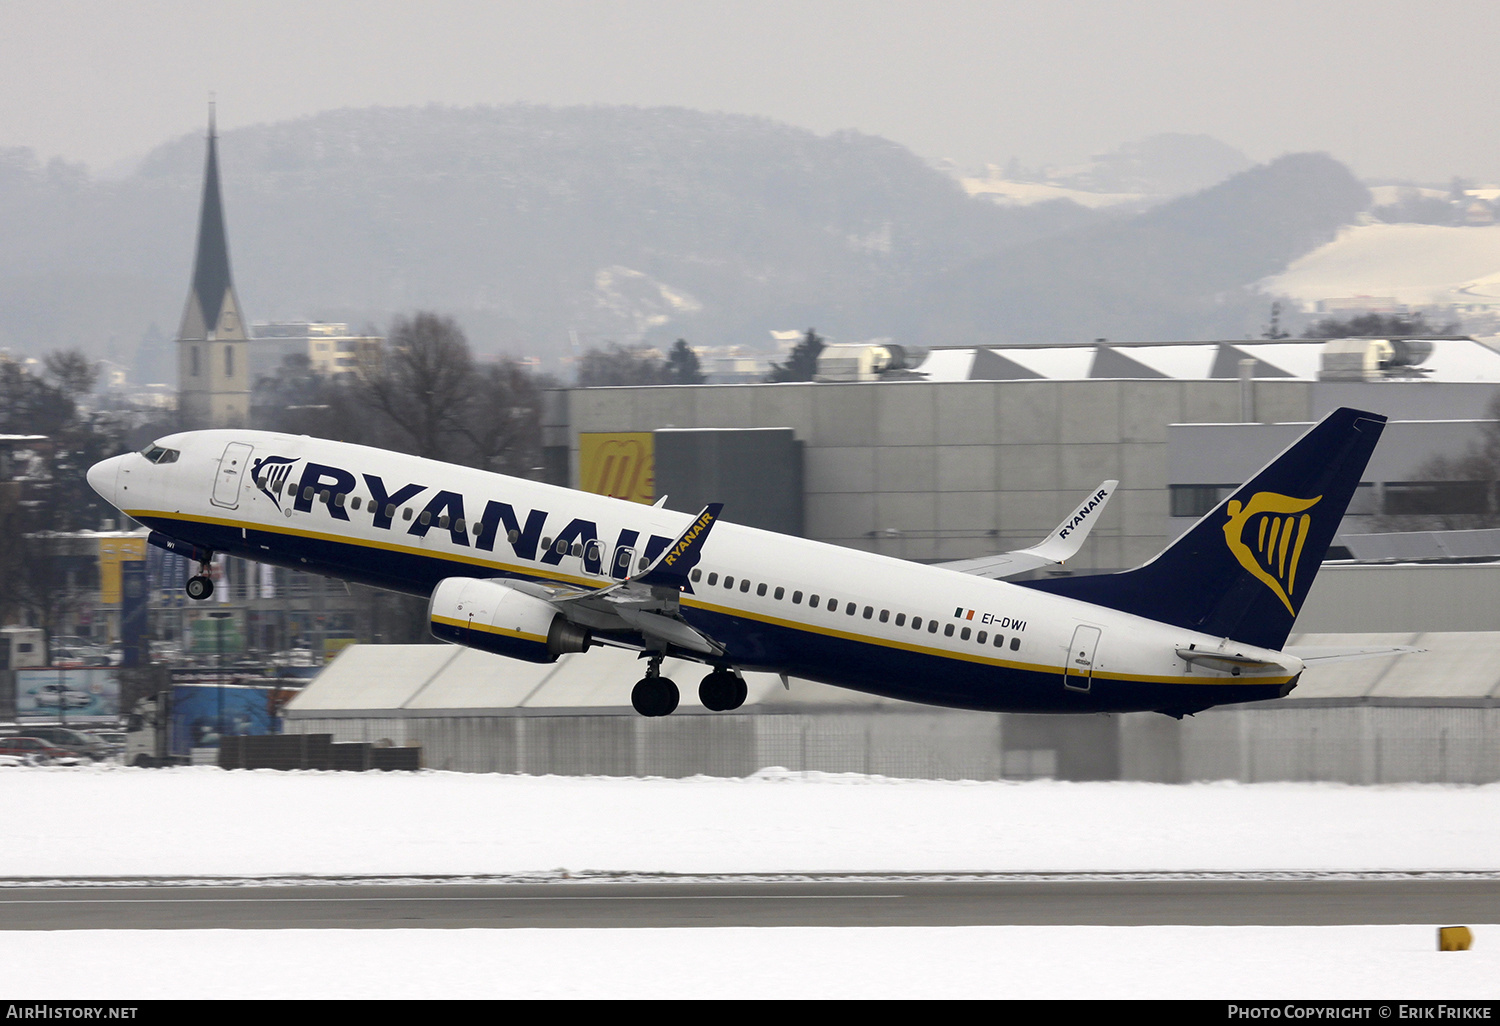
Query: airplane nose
[(102, 476)]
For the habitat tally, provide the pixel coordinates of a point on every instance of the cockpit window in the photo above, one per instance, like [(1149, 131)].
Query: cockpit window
[(157, 454)]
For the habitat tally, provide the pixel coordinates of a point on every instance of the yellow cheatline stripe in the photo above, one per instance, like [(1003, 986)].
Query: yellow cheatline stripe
[(489, 629), (592, 583)]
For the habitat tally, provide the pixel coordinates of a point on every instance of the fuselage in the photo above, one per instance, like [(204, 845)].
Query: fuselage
[(774, 602)]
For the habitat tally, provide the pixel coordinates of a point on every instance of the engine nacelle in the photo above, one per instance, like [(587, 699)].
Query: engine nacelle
[(494, 617)]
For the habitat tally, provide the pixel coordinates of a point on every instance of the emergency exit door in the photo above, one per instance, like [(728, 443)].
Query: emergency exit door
[(1078, 667)]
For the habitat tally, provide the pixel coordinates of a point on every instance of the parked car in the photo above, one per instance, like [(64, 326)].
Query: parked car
[(59, 696), (36, 751), (75, 742)]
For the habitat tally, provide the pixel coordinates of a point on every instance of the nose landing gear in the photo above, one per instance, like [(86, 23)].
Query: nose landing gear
[(200, 586)]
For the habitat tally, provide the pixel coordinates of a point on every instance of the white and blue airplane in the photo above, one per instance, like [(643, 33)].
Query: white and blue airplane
[(533, 571)]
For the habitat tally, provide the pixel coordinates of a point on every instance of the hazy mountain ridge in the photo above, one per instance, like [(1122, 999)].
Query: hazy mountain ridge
[(1184, 269), (527, 223)]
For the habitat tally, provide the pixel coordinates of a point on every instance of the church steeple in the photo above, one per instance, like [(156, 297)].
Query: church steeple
[(213, 358)]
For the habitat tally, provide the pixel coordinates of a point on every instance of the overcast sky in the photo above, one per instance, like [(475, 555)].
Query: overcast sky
[(1393, 88)]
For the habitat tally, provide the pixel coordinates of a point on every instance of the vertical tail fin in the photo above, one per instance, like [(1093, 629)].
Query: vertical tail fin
[(1243, 570)]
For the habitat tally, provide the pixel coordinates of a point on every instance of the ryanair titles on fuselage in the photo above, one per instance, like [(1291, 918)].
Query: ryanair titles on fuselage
[(499, 519)]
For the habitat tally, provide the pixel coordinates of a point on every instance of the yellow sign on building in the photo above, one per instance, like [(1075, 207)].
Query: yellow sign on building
[(113, 552), (618, 464)]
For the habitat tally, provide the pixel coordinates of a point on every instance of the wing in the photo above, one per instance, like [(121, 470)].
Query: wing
[(646, 603), (1059, 546)]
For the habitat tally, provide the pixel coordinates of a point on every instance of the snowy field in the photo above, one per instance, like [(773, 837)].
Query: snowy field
[(202, 822)]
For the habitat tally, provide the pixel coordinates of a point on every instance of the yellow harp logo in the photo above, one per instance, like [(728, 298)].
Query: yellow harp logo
[(1271, 524)]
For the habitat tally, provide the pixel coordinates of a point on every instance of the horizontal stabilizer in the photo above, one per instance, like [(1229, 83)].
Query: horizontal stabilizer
[(1061, 545), (1321, 655)]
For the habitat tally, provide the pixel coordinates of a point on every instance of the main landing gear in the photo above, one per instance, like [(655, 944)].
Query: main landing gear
[(655, 695), (200, 586), (722, 690)]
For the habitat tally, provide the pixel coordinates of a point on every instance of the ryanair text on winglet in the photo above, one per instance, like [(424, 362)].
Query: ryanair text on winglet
[(1095, 501), (686, 542)]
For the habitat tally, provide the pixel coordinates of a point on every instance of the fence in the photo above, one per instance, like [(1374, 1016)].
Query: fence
[(1351, 744)]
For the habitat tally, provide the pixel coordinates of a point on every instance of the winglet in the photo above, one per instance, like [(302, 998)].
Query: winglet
[(670, 569), (1068, 537)]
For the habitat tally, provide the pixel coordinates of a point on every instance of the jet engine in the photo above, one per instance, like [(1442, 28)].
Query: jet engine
[(494, 617)]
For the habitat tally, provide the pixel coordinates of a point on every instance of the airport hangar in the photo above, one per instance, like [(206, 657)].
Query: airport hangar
[(982, 450)]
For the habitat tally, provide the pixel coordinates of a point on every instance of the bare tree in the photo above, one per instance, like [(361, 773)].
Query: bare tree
[(426, 384), (621, 365), (504, 425), (74, 373)]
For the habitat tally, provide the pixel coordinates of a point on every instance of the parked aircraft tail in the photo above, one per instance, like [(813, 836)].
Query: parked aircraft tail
[(1243, 571)]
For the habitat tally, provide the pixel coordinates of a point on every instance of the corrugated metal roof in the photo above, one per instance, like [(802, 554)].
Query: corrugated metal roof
[(1450, 360)]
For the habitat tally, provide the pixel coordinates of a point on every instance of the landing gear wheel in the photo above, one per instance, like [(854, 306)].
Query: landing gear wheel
[(654, 696), (200, 587), (721, 691)]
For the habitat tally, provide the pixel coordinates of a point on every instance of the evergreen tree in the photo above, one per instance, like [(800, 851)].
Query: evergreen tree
[(682, 365), (802, 364)]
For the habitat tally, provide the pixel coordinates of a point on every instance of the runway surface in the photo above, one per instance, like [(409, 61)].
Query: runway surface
[(1228, 901)]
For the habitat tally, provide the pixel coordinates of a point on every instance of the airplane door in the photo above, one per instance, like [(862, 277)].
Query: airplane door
[(1078, 667), (232, 467)]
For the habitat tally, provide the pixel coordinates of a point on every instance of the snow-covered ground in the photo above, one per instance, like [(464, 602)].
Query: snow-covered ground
[(200, 822), (1417, 264)]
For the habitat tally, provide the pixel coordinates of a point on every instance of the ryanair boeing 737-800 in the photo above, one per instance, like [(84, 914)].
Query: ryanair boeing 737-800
[(532, 571)]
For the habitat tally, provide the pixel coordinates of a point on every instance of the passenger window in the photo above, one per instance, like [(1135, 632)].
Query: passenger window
[(425, 518), (779, 592), (577, 549), (406, 513), (512, 536), (459, 525), (713, 578), (443, 522), (745, 584), (932, 626), (729, 582), (885, 615), (833, 604), (900, 619), (948, 630), (916, 623), (697, 576), (760, 589), (390, 511), (1015, 644), (323, 496), (813, 601), (963, 635), (562, 546), (356, 502), (999, 641), (546, 544), (643, 563), (851, 608), (477, 526), (339, 499), (983, 636), (869, 612), (796, 598), (307, 494)]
